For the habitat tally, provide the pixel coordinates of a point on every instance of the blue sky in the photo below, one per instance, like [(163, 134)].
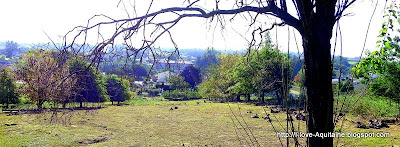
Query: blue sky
[(25, 21)]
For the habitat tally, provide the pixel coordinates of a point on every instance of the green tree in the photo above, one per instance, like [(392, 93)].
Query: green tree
[(191, 75), (341, 64), (177, 82), (7, 88), (89, 85), (378, 62), (387, 84), (117, 88), (207, 59), (220, 79), (243, 75), (272, 72), (261, 71)]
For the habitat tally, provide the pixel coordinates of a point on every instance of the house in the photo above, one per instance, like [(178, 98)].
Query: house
[(162, 77), (175, 65)]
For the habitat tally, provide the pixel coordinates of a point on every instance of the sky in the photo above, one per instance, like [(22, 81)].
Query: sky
[(28, 21)]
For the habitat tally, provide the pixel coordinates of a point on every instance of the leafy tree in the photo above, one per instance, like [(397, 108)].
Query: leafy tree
[(89, 85), (44, 78), (11, 47), (378, 62), (7, 88), (191, 75), (385, 61), (207, 59), (117, 88), (220, 79), (387, 85), (243, 76), (177, 82), (261, 71), (273, 72), (300, 78)]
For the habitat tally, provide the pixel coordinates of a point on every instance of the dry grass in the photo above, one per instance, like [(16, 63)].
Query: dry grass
[(152, 123)]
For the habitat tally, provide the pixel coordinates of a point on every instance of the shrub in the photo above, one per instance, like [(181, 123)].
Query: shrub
[(154, 92), (371, 106)]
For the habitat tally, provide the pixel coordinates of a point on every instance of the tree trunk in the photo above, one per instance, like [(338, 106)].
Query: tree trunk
[(262, 97), (80, 104), (112, 102), (317, 54), (247, 97), (40, 104), (118, 103), (277, 98), (64, 105), (238, 98)]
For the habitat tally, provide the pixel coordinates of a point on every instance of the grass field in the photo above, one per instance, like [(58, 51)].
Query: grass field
[(151, 123)]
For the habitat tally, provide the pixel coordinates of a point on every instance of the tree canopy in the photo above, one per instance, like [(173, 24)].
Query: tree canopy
[(7, 88), (43, 77), (192, 75), (89, 85), (117, 88)]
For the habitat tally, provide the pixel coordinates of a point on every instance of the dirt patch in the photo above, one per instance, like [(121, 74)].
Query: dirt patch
[(92, 141)]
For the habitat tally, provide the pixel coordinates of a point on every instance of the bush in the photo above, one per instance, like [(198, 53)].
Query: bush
[(191, 93), (172, 94), (371, 106), (154, 92)]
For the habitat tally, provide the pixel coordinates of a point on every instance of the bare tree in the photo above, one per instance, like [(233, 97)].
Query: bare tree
[(313, 19)]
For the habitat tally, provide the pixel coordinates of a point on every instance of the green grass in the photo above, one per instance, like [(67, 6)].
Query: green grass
[(369, 106), (150, 122)]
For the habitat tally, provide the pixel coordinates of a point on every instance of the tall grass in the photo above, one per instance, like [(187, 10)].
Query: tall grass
[(369, 105)]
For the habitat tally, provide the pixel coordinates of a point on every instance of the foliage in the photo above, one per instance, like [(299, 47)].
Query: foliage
[(177, 82), (261, 71), (89, 86), (341, 64), (11, 47), (191, 75), (220, 78), (117, 88), (375, 106), (389, 50), (207, 59), (385, 61), (345, 86), (7, 88), (258, 71), (300, 78), (44, 78), (388, 84), (153, 92)]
